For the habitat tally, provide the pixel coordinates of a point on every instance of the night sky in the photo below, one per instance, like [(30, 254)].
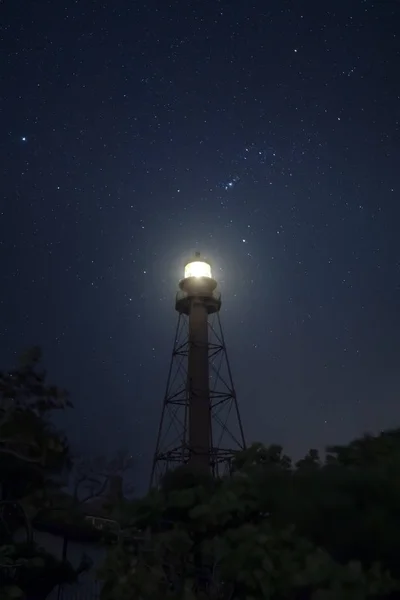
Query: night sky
[(265, 135)]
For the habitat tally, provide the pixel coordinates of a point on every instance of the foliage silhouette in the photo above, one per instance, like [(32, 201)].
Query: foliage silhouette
[(272, 530), (314, 530), (32, 455)]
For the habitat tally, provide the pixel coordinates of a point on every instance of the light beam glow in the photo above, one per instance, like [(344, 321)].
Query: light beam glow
[(198, 268)]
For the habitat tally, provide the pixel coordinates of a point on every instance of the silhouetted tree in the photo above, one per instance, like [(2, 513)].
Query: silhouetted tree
[(33, 454), (272, 530), (91, 481)]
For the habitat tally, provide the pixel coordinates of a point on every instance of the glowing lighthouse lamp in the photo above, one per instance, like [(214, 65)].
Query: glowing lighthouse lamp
[(198, 268), (198, 283)]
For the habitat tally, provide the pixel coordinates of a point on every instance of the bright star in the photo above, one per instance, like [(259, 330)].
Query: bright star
[(23, 139)]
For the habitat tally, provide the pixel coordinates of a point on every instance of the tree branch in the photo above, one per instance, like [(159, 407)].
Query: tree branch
[(77, 485), (28, 526), (28, 459), (95, 494)]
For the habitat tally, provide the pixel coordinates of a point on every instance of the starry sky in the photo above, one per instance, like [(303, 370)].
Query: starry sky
[(265, 135)]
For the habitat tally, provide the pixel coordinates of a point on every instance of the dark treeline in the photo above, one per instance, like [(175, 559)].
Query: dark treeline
[(318, 529)]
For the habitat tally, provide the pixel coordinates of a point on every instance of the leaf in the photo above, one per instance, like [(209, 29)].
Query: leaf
[(188, 593), (181, 499), (11, 592), (37, 562), (199, 512)]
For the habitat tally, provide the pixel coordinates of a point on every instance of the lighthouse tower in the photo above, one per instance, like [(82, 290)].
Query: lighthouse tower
[(200, 422)]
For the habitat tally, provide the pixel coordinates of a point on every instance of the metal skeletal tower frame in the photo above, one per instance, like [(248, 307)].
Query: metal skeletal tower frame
[(200, 421)]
